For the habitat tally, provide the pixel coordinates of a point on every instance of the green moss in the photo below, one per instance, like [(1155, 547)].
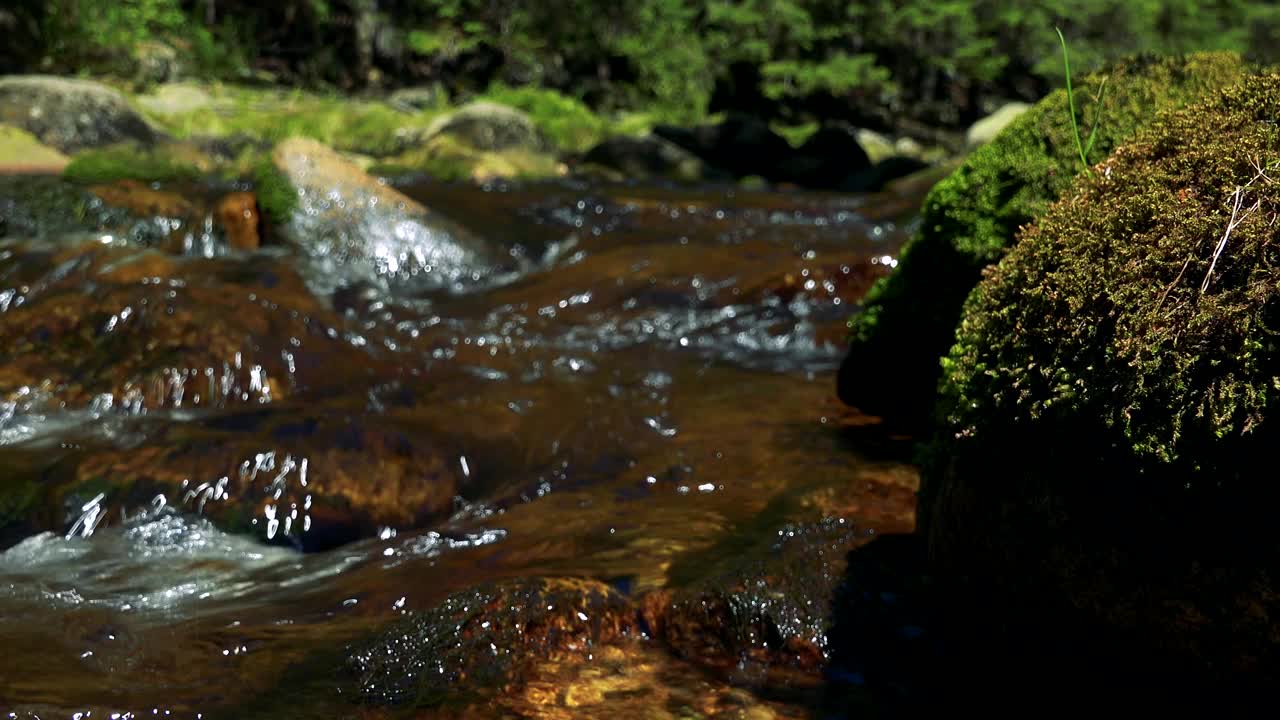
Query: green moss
[(796, 134), (1123, 309), (970, 219), (345, 124), (569, 123), (448, 159), (128, 163), (276, 195)]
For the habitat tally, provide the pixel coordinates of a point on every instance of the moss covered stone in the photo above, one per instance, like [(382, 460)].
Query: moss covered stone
[(446, 158), (970, 219), (1113, 402)]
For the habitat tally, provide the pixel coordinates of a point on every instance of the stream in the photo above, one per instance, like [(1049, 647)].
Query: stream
[(353, 503)]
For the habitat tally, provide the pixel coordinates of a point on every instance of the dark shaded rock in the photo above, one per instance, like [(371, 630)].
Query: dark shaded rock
[(826, 159), (69, 114), (645, 158), (742, 145), (875, 177)]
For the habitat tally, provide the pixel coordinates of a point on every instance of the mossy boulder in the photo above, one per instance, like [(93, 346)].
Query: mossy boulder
[(70, 115), (491, 127), (969, 221), (447, 158), (1113, 409), (646, 158)]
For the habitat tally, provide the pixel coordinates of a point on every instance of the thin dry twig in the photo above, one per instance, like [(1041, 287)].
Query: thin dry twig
[(1237, 199)]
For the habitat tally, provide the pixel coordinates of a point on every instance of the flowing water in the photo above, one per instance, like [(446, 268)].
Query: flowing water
[(221, 491)]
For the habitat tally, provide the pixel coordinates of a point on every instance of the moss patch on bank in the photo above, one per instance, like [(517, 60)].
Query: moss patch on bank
[(128, 162), (970, 219), (368, 127), (447, 159)]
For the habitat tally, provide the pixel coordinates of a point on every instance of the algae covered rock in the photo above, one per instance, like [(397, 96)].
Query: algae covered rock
[(70, 115), (970, 219), (359, 228), (1112, 412)]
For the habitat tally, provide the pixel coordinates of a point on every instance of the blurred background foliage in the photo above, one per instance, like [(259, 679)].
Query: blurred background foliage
[(938, 62)]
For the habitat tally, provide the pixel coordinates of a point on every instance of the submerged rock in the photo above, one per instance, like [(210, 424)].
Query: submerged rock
[(70, 115), (970, 219), (41, 206), (358, 228), (93, 324), (1102, 485), (487, 640), (761, 617), (312, 480)]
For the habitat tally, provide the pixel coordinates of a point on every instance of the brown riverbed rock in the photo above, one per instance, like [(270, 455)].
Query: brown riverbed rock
[(488, 640), (142, 199), (137, 328), (237, 213), (313, 480), (759, 616)]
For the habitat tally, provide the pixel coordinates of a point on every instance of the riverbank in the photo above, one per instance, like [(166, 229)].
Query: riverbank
[(106, 131)]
